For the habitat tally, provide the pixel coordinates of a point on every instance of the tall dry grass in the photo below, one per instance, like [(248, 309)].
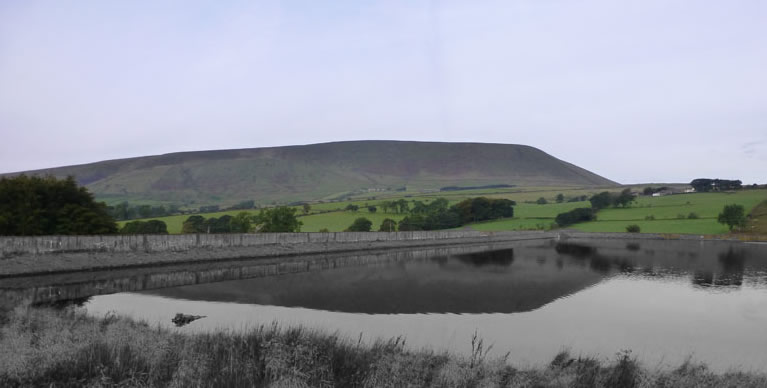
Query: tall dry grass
[(59, 348)]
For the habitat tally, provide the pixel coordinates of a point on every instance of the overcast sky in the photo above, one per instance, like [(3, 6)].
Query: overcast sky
[(636, 91)]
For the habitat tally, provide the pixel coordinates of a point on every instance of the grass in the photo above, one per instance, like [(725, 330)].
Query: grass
[(338, 221), (45, 347), (666, 211), (757, 222)]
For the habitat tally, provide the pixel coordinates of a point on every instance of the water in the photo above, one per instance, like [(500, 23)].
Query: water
[(664, 300)]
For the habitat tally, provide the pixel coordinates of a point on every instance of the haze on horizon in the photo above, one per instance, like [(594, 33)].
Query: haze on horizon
[(651, 91)]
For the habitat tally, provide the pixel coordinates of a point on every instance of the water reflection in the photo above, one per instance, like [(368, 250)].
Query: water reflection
[(659, 298)]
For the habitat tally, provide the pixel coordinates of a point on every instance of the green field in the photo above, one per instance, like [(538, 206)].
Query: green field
[(667, 211), (338, 221)]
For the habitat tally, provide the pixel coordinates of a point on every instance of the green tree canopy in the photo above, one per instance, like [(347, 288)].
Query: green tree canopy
[(601, 200), (193, 224), (361, 224), (31, 205), (145, 227), (278, 220), (388, 225), (733, 216), (575, 216)]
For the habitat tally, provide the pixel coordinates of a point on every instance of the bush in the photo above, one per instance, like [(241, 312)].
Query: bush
[(361, 224), (633, 228), (541, 201), (649, 218), (145, 227), (388, 225), (693, 216), (575, 216)]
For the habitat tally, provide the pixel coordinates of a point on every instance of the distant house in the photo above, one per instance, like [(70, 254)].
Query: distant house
[(670, 191), (689, 190)]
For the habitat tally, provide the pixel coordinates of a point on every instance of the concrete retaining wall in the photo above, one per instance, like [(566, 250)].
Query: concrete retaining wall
[(39, 245)]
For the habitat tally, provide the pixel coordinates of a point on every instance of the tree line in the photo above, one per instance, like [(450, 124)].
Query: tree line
[(438, 214), (281, 219), (33, 206)]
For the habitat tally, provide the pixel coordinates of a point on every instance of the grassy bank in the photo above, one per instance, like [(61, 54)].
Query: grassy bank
[(43, 347)]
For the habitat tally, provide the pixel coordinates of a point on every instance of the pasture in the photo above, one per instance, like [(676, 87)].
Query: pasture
[(667, 214)]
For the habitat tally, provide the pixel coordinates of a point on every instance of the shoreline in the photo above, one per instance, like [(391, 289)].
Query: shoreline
[(43, 346)]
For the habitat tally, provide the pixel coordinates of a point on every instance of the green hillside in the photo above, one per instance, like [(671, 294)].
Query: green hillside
[(321, 171)]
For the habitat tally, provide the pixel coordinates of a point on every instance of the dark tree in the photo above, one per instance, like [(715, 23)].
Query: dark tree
[(560, 198), (541, 201), (575, 216), (241, 223), (372, 209), (193, 224), (388, 225), (31, 205), (624, 198), (361, 224), (601, 200), (278, 220), (633, 228), (145, 227), (307, 208), (351, 207), (733, 216)]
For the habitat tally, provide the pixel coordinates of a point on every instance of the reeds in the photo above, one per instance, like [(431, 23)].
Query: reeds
[(59, 348)]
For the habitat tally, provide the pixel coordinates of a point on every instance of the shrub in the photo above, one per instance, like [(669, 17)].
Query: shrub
[(633, 228), (649, 218), (541, 201), (693, 216), (575, 216), (361, 224)]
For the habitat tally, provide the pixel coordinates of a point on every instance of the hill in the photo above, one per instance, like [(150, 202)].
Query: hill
[(321, 171)]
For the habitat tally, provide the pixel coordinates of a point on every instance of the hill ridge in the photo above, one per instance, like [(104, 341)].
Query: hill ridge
[(316, 171)]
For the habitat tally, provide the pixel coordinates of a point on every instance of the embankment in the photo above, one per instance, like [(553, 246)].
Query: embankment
[(22, 256), (60, 254)]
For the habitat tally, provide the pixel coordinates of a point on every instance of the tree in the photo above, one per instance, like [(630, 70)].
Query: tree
[(541, 201), (601, 200), (560, 198), (31, 205), (624, 198), (402, 206), (278, 220), (352, 207), (733, 216), (361, 224), (145, 227), (372, 209), (574, 216), (388, 225), (193, 224), (307, 208), (241, 223), (633, 228)]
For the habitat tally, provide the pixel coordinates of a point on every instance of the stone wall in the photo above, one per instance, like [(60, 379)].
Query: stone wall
[(39, 245)]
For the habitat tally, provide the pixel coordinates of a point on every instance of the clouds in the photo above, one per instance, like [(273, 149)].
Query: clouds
[(643, 91)]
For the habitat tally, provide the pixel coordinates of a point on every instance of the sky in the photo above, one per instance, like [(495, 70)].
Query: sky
[(636, 91)]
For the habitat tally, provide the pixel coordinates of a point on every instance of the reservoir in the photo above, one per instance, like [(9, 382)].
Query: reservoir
[(666, 301)]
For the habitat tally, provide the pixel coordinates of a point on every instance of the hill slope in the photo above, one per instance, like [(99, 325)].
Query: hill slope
[(316, 171)]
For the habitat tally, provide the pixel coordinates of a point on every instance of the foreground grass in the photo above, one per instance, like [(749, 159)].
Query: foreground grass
[(43, 347)]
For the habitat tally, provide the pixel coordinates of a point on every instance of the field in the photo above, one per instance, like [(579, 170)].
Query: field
[(667, 214)]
